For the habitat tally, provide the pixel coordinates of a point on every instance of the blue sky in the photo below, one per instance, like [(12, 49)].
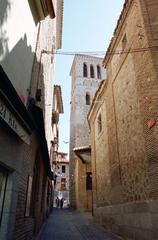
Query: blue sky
[(88, 25)]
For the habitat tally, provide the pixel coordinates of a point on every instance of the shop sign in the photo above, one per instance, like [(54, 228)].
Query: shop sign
[(13, 123)]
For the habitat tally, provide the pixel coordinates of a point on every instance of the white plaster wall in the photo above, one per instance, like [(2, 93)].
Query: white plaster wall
[(49, 104), (18, 23), (47, 34), (17, 43), (17, 51)]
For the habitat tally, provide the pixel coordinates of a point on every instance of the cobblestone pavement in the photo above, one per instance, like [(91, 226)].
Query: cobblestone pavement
[(64, 224)]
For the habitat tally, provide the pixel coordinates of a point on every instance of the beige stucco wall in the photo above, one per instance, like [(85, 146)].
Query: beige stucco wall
[(83, 196)]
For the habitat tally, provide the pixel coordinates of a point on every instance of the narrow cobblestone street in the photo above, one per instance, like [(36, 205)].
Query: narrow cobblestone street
[(64, 224)]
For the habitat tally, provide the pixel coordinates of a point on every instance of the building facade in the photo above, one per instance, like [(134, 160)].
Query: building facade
[(26, 70), (56, 111), (86, 73), (124, 130), (61, 170)]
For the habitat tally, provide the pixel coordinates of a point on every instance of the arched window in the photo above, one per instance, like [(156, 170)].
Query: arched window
[(98, 72), (87, 99), (91, 71), (85, 74)]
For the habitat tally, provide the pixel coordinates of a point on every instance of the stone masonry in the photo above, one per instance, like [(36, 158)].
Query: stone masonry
[(85, 82), (125, 151)]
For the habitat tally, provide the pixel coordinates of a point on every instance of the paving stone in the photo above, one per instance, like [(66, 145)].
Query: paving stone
[(65, 224)]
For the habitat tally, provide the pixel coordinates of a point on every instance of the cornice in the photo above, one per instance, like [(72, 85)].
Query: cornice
[(84, 56), (117, 30)]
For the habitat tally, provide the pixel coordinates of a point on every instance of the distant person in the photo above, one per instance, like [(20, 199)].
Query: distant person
[(57, 202), (61, 202)]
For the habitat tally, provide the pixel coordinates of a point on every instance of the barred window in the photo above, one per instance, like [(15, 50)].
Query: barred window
[(63, 169), (87, 99), (89, 181), (91, 71), (85, 73), (98, 72)]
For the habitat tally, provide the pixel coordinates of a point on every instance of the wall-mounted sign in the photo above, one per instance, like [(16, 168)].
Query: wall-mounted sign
[(151, 122), (13, 123)]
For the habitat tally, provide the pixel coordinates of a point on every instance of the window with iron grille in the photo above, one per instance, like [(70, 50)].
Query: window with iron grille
[(63, 168), (91, 71), (89, 181), (98, 72), (87, 99), (85, 72)]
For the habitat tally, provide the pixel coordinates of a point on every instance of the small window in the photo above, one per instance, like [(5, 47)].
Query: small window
[(98, 72), (85, 74), (89, 181), (91, 71), (124, 42), (63, 169), (63, 183), (99, 122), (87, 99)]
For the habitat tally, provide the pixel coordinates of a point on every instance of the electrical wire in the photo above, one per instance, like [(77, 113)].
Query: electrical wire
[(118, 52)]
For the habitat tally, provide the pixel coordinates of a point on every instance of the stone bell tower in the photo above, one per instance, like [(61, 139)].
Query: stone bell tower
[(87, 74)]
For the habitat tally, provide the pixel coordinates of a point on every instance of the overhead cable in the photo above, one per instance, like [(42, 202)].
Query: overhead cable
[(101, 53)]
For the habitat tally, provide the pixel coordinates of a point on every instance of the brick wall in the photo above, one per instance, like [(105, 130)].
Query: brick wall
[(124, 155)]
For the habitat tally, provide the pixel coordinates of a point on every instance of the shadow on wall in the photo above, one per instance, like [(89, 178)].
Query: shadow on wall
[(4, 10), (19, 64)]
